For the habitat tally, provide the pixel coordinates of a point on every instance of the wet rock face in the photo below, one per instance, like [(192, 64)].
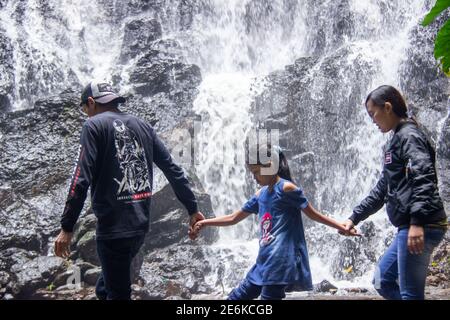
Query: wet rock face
[(38, 149), (427, 91), (176, 13), (164, 84), (443, 165), (138, 36), (6, 72), (36, 144), (326, 36), (424, 86)]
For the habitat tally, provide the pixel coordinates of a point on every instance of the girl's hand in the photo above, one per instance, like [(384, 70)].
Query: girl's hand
[(416, 241)]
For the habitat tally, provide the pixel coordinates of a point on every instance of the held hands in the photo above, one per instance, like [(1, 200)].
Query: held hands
[(62, 244), (195, 218), (348, 229), (196, 228)]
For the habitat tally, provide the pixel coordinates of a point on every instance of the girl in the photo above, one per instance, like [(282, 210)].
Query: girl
[(408, 185), (283, 258)]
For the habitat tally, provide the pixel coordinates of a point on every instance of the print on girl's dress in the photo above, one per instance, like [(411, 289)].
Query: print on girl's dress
[(266, 227)]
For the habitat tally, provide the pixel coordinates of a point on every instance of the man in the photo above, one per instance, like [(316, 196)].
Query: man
[(115, 159)]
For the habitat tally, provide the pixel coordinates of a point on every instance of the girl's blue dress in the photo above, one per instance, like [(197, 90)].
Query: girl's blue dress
[(283, 256)]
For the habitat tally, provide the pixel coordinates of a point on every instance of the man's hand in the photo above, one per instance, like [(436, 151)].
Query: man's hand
[(349, 229), (348, 225), (194, 218), (62, 244), (416, 241)]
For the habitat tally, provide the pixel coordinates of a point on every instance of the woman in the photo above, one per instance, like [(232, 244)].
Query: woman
[(408, 185)]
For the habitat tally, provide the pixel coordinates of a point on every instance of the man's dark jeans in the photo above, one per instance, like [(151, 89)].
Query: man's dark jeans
[(116, 256)]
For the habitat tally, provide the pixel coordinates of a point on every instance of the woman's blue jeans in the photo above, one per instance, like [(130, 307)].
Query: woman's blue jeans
[(401, 275)]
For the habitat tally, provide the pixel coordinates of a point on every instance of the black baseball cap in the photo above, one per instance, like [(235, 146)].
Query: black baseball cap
[(101, 92)]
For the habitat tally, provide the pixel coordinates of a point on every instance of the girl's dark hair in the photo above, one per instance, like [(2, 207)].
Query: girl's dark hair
[(386, 93), (283, 166)]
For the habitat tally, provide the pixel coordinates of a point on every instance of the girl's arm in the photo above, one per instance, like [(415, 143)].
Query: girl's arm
[(315, 215), (222, 221)]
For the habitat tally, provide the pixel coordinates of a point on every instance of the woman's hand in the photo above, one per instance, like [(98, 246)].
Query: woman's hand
[(416, 240)]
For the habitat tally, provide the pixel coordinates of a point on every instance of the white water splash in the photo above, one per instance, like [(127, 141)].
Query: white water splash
[(56, 45)]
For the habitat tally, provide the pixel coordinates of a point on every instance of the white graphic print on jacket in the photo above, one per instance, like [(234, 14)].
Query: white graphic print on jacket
[(132, 162)]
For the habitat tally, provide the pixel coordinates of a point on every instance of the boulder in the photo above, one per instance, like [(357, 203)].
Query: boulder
[(324, 286), (37, 273), (86, 248), (197, 269), (169, 219), (90, 277)]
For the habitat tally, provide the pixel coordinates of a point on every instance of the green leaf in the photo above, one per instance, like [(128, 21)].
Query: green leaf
[(440, 6), (442, 47), (50, 287)]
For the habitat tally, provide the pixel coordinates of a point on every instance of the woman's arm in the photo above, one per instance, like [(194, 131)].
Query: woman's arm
[(372, 203)]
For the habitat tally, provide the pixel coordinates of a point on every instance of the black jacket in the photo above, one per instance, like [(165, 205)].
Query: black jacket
[(408, 183), (116, 159)]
